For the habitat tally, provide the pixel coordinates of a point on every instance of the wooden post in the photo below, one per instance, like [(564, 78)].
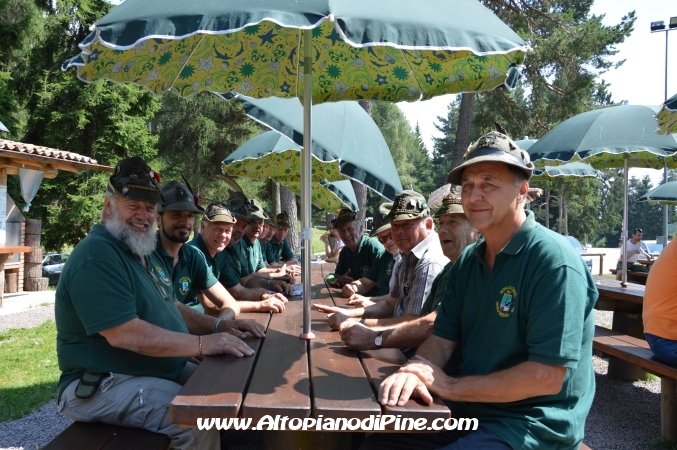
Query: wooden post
[(33, 279), (3, 208), (630, 324), (669, 409)]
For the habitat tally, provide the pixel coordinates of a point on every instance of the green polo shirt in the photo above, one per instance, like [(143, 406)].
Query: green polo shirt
[(281, 251), (219, 268), (359, 263), (235, 264), (381, 271), (103, 285), (268, 252), (436, 291), (241, 254), (254, 254), (534, 305), (191, 271)]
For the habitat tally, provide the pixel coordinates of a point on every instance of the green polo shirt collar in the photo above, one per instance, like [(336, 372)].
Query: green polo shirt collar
[(515, 245), (359, 246)]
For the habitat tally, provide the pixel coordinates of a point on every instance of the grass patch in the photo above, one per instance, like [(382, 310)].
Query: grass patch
[(28, 369)]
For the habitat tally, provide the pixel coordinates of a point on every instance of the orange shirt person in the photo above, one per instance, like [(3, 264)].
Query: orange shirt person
[(660, 306)]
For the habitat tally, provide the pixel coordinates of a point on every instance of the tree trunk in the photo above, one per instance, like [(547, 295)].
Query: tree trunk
[(463, 129), (546, 202), (35, 284), (566, 218), (359, 188), (288, 204), (361, 195), (561, 214), (275, 196)]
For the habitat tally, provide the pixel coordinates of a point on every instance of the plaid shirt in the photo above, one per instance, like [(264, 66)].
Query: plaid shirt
[(414, 274)]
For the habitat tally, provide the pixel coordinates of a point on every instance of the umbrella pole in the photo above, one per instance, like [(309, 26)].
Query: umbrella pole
[(306, 171), (624, 227)]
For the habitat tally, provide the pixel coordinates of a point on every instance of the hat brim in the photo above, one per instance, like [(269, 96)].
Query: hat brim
[(455, 175), (449, 209), (240, 216), (221, 218), (141, 195), (397, 217), (283, 225), (380, 230), (181, 206)]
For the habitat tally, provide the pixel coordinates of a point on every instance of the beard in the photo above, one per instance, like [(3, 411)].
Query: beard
[(174, 237), (140, 243)]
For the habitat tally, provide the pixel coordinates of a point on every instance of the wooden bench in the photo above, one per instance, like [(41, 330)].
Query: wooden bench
[(636, 351), (634, 277), (101, 436)]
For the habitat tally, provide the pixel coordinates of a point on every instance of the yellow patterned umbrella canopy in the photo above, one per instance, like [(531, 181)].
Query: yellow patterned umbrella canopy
[(667, 116), (447, 47)]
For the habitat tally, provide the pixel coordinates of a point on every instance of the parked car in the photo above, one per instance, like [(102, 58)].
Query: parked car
[(652, 248), (581, 250), (52, 266)]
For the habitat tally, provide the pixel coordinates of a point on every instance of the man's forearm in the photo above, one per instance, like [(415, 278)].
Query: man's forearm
[(196, 322), (142, 337), (525, 380), (390, 321), (242, 293), (409, 334), (379, 310), (221, 298), (437, 350)]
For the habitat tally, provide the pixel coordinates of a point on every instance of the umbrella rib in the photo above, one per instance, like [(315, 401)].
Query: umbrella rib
[(178, 72)]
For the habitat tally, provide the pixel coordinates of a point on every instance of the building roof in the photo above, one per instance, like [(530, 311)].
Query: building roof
[(18, 155)]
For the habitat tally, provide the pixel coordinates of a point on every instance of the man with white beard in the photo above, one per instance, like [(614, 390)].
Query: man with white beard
[(122, 339)]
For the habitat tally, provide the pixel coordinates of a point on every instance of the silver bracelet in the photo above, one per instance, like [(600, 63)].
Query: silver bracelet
[(216, 324)]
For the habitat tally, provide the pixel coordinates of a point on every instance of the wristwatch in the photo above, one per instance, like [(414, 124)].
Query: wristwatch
[(378, 342)]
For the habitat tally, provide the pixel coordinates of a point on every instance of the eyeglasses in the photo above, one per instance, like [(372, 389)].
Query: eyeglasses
[(386, 238), (638, 230)]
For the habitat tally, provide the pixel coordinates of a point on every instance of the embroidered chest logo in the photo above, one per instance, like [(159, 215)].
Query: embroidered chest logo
[(184, 285), (364, 270), (506, 305), (389, 268), (161, 273)]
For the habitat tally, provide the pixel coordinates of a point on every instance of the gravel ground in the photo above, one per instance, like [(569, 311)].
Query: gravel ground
[(27, 319), (623, 415)]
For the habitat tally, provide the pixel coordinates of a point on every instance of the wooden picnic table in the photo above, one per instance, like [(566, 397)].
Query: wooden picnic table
[(626, 303), (601, 259), (646, 262), (296, 378)]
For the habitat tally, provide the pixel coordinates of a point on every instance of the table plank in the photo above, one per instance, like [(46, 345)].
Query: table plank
[(280, 384), (340, 385), (381, 363), (612, 290), (217, 387)]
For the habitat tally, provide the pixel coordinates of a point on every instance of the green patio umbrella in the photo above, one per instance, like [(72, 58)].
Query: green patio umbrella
[(272, 155), (667, 116), (347, 144), (390, 50), (526, 143), (620, 136), (574, 169), (665, 194)]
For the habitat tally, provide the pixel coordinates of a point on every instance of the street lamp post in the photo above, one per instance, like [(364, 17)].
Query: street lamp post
[(659, 27)]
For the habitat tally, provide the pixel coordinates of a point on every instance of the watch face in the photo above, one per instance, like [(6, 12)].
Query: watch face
[(378, 341)]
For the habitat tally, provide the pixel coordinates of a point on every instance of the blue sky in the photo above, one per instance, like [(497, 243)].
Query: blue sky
[(641, 80)]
